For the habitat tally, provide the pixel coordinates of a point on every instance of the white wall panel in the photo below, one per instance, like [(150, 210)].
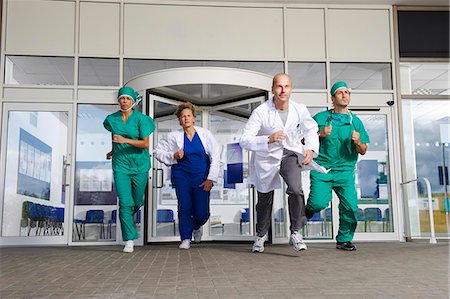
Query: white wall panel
[(310, 99), (99, 28), (40, 27), (97, 96), (203, 32), (358, 34), (370, 100), (305, 34), (37, 94)]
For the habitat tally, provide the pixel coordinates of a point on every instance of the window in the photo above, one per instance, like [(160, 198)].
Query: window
[(36, 70)]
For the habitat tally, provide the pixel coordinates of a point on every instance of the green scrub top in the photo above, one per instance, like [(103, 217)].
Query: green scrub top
[(127, 158), (337, 151)]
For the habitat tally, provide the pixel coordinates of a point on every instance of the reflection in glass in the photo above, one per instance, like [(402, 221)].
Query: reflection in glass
[(230, 197), (98, 71), (425, 78), (363, 76), (372, 178), (34, 186), (95, 202), (36, 70), (427, 154), (307, 75)]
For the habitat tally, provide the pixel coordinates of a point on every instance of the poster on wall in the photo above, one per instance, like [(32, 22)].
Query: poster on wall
[(35, 161), (94, 184), (235, 166)]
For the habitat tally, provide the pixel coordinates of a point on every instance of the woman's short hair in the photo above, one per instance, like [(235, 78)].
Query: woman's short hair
[(182, 106)]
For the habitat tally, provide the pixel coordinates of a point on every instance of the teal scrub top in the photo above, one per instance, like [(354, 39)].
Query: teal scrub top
[(127, 158), (337, 151)]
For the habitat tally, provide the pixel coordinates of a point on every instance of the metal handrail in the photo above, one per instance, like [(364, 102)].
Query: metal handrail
[(430, 207)]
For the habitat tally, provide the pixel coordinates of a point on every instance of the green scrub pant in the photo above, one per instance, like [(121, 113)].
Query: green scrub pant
[(130, 189), (343, 183)]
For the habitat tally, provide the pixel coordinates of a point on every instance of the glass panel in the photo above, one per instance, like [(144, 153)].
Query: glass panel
[(95, 196), (372, 178), (39, 70), (307, 75), (360, 76), (98, 71), (135, 67), (425, 78), (34, 196), (230, 198), (427, 155), (165, 199)]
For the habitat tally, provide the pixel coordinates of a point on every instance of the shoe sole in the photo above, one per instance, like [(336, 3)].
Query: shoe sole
[(346, 249), (297, 249), (258, 250)]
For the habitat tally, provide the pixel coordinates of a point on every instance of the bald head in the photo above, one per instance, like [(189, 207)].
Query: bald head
[(279, 77)]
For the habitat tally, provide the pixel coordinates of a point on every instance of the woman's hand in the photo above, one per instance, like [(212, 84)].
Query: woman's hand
[(207, 185), (178, 154), (119, 139), (109, 155)]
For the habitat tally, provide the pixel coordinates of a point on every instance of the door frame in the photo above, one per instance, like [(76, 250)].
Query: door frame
[(42, 107), (182, 76)]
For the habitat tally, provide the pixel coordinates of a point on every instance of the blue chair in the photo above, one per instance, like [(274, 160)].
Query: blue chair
[(165, 216), (92, 217), (317, 217), (137, 217), (360, 216), (112, 221), (328, 219), (57, 221), (372, 214), (245, 218), (386, 220)]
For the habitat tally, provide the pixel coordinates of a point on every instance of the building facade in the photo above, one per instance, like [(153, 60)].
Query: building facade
[(63, 61)]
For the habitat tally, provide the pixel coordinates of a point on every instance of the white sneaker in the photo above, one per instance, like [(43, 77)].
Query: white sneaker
[(258, 246), (197, 235), (185, 244), (129, 246), (297, 242)]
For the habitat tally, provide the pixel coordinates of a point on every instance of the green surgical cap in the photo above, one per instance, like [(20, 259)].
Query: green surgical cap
[(338, 85), (128, 91)]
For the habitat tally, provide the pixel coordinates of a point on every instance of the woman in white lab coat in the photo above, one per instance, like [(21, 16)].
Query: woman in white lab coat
[(194, 157)]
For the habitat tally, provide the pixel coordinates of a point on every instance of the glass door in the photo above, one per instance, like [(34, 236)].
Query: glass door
[(231, 201), (374, 178), (373, 184), (36, 173)]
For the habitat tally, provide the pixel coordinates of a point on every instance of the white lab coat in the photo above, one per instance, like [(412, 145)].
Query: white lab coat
[(266, 158), (175, 141)]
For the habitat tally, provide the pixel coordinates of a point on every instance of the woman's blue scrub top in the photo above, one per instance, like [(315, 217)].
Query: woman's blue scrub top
[(194, 167), (127, 158)]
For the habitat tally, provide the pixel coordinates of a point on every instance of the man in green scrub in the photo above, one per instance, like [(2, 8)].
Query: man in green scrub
[(342, 137), (130, 131)]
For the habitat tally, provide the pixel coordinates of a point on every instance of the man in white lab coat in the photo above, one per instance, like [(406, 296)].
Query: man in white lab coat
[(283, 139)]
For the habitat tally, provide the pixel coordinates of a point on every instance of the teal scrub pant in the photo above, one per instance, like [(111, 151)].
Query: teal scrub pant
[(343, 183), (130, 189)]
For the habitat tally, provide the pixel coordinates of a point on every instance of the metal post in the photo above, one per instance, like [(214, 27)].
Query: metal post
[(430, 209)]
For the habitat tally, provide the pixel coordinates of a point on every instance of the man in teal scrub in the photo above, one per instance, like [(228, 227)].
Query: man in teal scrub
[(130, 131), (342, 137)]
